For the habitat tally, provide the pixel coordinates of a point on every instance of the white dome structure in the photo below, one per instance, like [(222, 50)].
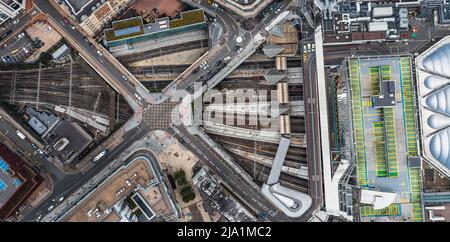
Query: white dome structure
[(433, 82), (440, 100), (440, 147), (438, 122), (439, 61)]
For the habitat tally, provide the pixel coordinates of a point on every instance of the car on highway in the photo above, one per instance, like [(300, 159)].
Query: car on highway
[(39, 218), (227, 58), (34, 146), (51, 207), (4, 35), (138, 97), (124, 77), (205, 67), (99, 53), (195, 70), (99, 156), (40, 151)]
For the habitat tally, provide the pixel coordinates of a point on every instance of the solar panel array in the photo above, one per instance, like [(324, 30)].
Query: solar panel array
[(127, 31)]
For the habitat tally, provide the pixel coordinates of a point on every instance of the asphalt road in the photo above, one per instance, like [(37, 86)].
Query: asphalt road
[(24, 18), (231, 31), (73, 34), (65, 185), (313, 133), (227, 174), (13, 46)]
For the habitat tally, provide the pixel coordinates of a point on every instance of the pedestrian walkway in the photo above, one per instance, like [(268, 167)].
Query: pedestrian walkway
[(391, 141), (415, 187), (358, 118), (380, 151), (374, 81), (408, 106), (391, 210), (385, 73)]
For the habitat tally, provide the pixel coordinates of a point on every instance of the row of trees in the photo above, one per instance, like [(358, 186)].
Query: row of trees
[(186, 191)]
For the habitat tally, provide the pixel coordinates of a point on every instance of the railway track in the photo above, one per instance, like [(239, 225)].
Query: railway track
[(128, 59), (260, 173), (88, 93), (294, 153)]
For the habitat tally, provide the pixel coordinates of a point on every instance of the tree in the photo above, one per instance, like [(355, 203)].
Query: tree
[(178, 175), (45, 58), (186, 190), (182, 182)]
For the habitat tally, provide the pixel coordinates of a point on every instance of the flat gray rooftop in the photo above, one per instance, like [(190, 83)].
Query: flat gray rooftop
[(7, 186), (77, 5), (78, 138)]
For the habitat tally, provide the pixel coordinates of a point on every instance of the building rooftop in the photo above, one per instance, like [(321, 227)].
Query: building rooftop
[(134, 27), (271, 50), (386, 98), (433, 77), (66, 141), (8, 183)]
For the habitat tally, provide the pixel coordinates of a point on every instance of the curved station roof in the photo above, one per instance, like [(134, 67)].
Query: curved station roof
[(433, 85)]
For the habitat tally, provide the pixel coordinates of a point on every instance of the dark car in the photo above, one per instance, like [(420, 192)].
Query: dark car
[(4, 35), (195, 70)]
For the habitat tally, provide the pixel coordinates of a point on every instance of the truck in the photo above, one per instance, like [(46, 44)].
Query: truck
[(20, 134)]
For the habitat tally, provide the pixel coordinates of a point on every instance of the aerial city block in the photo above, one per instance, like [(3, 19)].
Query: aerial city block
[(224, 111)]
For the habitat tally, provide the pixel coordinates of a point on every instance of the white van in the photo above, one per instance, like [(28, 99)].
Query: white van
[(22, 136)]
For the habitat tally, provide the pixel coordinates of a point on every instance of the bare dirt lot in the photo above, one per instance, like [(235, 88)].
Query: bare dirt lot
[(146, 7), (46, 34)]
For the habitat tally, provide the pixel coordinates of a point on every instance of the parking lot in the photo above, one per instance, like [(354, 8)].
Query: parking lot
[(43, 32), (26, 46), (17, 49)]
